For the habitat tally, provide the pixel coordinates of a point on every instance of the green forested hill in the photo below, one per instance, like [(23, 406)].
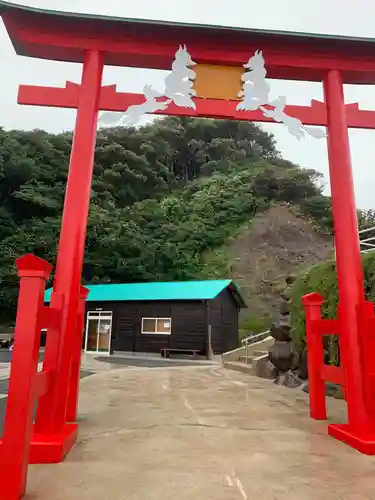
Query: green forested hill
[(163, 196)]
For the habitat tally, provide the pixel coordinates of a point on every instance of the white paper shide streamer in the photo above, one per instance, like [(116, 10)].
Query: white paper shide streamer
[(255, 94), (178, 89)]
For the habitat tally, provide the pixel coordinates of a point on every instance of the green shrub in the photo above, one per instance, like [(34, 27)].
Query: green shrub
[(322, 279)]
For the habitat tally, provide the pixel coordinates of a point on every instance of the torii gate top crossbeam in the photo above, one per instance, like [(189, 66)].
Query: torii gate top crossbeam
[(65, 36)]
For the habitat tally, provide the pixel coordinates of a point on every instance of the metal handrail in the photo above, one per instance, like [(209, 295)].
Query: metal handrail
[(252, 339), (361, 231), (367, 242)]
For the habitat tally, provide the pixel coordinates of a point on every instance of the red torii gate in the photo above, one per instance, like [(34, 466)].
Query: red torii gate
[(111, 100), (95, 41)]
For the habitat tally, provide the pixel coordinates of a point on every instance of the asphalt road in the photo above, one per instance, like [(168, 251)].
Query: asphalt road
[(3, 401), (6, 356)]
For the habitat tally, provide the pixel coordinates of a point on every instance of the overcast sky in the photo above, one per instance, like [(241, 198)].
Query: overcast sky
[(342, 17)]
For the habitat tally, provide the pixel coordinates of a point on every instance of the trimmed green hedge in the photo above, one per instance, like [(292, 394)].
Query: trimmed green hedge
[(322, 279)]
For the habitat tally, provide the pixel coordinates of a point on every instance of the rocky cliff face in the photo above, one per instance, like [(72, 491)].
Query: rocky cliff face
[(279, 243)]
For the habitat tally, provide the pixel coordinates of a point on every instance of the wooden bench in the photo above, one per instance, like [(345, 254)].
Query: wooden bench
[(165, 353)]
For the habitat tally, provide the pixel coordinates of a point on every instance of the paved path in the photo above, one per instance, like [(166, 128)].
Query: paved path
[(201, 433), (91, 364), (150, 362)]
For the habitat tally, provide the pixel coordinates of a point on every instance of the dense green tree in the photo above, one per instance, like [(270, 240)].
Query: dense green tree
[(162, 197)]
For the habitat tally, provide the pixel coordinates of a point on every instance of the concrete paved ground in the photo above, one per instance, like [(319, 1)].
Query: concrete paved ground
[(201, 433), (147, 361), (91, 364)]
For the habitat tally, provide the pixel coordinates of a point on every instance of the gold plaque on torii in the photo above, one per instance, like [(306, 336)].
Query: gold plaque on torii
[(218, 82)]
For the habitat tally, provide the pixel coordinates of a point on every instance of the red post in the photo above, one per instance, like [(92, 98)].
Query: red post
[(52, 407), (368, 328), (315, 356), (15, 449), (72, 404), (348, 258)]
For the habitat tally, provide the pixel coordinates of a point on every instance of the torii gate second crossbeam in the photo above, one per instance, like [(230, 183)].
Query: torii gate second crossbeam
[(112, 100)]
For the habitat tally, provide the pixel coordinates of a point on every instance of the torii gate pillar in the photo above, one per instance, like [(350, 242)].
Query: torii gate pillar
[(52, 407), (348, 257)]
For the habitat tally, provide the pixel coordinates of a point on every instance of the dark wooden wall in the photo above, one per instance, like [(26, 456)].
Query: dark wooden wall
[(190, 320), (224, 323), (189, 325)]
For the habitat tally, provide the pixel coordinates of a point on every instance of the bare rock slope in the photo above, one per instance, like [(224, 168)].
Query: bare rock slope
[(278, 244)]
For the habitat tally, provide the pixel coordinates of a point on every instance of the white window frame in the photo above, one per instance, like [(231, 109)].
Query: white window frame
[(156, 322), (98, 315)]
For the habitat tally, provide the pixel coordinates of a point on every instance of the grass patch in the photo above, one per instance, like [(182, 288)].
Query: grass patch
[(255, 324)]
